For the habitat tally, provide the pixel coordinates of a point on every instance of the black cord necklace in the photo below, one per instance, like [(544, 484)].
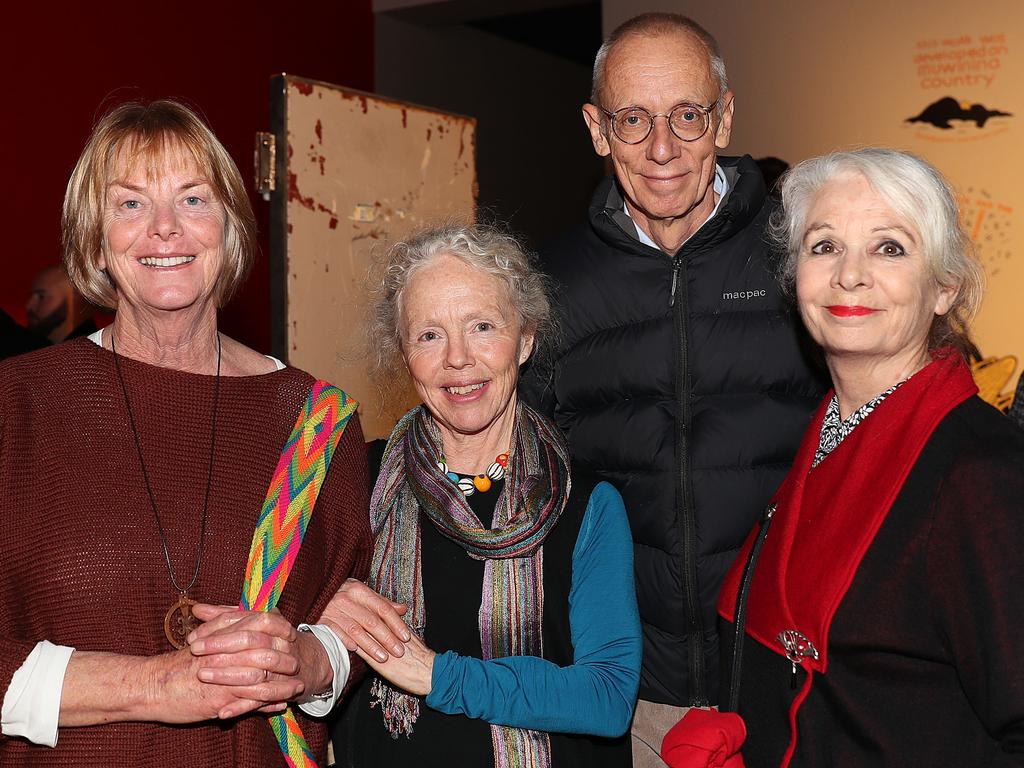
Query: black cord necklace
[(179, 621)]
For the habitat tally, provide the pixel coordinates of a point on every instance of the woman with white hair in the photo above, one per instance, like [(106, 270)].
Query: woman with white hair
[(515, 566), (875, 618)]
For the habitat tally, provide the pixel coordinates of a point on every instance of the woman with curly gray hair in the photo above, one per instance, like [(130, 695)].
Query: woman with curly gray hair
[(879, 622), (487, 543)]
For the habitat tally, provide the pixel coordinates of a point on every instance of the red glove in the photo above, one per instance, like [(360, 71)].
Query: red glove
[(705, 739)]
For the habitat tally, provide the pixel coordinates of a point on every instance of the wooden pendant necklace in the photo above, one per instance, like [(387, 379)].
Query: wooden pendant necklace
[(179, 620)]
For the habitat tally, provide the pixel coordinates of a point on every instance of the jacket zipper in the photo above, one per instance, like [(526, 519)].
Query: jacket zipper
[(695, 641)]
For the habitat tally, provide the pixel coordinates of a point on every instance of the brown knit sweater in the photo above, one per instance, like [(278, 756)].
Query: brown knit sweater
[(82, 563)]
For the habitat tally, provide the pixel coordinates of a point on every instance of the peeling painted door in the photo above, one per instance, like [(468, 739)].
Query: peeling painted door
[(355, 172)]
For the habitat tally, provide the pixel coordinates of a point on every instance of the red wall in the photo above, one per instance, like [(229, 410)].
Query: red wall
[(64, 65)]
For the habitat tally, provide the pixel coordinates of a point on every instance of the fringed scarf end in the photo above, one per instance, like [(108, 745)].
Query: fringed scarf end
[(400, 710)]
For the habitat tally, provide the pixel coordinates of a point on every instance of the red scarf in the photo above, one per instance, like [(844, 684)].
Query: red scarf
[(826, 519)]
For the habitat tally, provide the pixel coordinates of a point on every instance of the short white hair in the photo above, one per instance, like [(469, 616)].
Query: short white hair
[(917, 192)]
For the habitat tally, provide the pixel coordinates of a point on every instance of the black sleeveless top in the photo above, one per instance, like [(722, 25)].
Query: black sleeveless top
[(453, 586)]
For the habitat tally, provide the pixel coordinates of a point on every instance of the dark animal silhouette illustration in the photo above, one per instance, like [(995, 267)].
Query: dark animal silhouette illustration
[(940, 112)]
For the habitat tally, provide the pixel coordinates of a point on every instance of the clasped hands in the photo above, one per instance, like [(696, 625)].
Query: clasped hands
[(260, 661), (263, 662)]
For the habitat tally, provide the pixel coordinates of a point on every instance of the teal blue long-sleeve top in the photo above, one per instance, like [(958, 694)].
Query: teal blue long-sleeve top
[(596, 694)]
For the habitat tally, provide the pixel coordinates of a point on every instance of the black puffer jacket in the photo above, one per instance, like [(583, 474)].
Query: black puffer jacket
[(685, 382)]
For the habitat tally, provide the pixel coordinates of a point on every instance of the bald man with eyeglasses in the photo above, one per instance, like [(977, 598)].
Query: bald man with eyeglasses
[(681, 376)]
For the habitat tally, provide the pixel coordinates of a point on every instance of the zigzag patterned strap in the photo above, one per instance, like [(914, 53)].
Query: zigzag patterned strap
[(282, 523)]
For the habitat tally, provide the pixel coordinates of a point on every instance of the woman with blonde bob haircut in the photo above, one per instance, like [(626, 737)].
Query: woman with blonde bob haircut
[(151, 134), (874, 618), (137, 462)]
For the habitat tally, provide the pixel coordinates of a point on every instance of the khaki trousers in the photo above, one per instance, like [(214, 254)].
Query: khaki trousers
[(650, 724)]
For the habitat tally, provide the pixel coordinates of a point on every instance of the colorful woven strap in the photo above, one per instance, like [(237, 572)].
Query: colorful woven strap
[(282, 523)]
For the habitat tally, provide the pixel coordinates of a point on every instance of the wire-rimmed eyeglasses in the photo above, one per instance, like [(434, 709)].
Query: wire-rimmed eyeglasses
[(687, 121)]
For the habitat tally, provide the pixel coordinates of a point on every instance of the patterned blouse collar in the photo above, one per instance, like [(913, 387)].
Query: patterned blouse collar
[(835, 429)]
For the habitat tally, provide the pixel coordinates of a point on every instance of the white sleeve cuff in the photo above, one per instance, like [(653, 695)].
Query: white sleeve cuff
[(31, 707), (319, 705)]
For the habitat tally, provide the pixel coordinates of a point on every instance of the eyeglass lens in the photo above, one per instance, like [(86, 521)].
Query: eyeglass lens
[(634, 124)]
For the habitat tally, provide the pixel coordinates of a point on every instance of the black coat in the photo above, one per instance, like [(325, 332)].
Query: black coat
[(691, 402), (926, 649)]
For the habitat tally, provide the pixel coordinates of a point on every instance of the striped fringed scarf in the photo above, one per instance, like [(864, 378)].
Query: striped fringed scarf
[(536, 489)]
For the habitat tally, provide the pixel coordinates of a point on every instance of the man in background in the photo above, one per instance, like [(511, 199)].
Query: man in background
[(56, 311), (15, 340), (680, 376)]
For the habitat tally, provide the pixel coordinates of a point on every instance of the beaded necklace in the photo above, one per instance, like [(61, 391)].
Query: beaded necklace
[(481, 482)]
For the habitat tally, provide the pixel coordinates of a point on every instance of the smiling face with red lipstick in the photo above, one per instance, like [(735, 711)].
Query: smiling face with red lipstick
[(864, 286), (463, 345)]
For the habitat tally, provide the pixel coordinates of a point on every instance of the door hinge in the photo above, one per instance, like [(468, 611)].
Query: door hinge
[(265, 163)]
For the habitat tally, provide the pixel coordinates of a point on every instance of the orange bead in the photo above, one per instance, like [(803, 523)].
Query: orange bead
[(482, 483)]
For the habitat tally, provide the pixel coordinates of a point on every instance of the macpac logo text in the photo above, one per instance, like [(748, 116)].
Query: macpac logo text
[(745, 294)]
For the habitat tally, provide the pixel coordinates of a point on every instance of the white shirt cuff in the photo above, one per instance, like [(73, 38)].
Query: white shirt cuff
[(31, 707), (319, 705)]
